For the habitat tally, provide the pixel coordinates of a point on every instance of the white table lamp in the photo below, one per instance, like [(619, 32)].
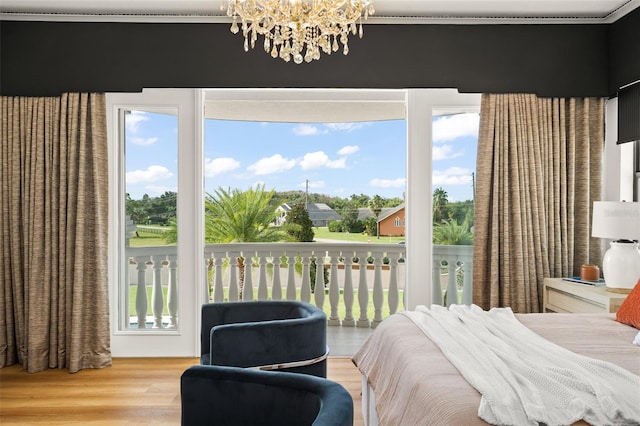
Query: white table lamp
[(619, 221)]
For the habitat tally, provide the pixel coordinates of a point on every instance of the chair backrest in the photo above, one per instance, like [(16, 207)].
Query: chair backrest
[(236, 396), (264, 333)]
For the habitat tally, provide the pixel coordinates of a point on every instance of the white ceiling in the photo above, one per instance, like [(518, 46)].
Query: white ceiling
[(412, 11)]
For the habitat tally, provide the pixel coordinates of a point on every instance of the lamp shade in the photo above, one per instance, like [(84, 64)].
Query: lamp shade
[(619, 221), (616, 220)]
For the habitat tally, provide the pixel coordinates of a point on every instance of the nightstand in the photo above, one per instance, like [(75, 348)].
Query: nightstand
[(564, 296)]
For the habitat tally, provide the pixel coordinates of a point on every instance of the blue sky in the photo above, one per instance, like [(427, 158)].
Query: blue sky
[(337, 159)]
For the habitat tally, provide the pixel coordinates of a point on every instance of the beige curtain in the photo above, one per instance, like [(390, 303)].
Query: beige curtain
[(538, 173), (53, 207)]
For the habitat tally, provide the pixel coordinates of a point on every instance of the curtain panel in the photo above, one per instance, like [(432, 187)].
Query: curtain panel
[(539, 168), (54, 221)]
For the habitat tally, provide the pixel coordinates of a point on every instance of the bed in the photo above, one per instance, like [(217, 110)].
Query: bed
[(407, 380)]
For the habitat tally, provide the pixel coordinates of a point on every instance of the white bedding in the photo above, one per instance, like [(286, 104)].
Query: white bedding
[(413, 383), (523, 378)]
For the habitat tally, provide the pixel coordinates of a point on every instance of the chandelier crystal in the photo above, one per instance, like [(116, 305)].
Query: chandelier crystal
[(298, 29)]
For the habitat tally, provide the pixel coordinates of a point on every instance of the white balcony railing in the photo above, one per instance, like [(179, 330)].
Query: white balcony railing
[(363, 283)]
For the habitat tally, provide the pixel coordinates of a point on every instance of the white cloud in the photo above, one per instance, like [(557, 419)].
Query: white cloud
[(388, 183), (144, 141), (314, 184), (151, 174), (451, 127), (133, 119), (452, 176), (344, 127), (307, 130), (444, 152), (274, 164), (159, 189), (217, 166), (348, 150), (318, 159)]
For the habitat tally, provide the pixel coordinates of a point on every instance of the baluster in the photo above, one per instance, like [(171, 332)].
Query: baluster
[(363, 291), (218, 287), (436, 277), (378, 297), (157, 298), (318, 295), (263, 291), (172, 292), (334, 291), (233, 277), (452, 286), (305, 287), (276, 287), (467, 289), (291, 278), (347, 291), (393, 294), (141, 292), (247, 289)]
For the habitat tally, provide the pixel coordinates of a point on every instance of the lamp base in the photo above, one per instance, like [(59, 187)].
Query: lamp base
[(621, 266)]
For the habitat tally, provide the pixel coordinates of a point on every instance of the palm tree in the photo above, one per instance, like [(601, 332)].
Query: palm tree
[(440, 200), (240, 216)]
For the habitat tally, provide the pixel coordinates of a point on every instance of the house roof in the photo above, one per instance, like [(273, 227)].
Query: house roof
[(317, 211), (390, 212)]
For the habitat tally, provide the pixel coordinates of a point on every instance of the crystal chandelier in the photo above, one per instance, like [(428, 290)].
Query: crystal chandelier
[(298, 28)]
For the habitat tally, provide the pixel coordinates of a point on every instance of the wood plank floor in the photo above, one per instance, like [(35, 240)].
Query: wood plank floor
[(132, 391)]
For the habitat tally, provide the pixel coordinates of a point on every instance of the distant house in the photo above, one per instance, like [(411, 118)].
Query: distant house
[(319, 213), (391, 222)]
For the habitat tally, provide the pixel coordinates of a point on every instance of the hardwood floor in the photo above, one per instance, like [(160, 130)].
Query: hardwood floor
[(132, 391)]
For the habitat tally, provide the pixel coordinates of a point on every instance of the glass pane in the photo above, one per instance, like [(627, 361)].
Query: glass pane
[(455, 140), (333, 170), (150, 188)]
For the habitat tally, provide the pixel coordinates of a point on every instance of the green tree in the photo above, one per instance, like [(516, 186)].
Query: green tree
[(298, 225), (450, 233), (440, 200), (240, 216), (375, 205), (350, 222)]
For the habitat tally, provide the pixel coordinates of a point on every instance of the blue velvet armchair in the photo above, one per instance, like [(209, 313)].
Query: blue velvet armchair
[(238, 396), (284, 335)]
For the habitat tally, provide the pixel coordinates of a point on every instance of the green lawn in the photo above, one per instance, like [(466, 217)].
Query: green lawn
[(148, 239), (323, 232)]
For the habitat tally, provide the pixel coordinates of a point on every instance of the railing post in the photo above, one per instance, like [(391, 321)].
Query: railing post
[(233, 278), (247, 288), (157, 298), (347, 291), (452, 285), (263, 292), (172, 292), (276, 288), (141, 292), (393, 294), (467, 286), (436, 287), (291, 279), (334, 291), (363, 291), (305, 289), (218, 287), (318, 290), (378, 297)]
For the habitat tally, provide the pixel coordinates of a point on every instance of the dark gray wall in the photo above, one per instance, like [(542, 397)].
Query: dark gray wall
[(47, 58)]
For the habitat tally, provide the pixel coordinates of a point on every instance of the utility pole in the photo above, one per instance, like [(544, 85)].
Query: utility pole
[(306, 195)]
